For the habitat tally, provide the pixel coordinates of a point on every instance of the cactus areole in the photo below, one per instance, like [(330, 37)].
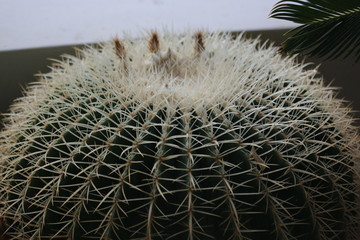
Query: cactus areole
[(189, 137)]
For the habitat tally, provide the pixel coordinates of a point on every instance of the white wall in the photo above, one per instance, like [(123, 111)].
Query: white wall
[(43, 23)]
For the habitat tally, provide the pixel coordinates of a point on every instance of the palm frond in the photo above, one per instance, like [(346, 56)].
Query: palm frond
[(329, 28)]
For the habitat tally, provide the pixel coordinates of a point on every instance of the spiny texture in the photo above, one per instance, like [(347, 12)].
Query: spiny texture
[(179, 138)]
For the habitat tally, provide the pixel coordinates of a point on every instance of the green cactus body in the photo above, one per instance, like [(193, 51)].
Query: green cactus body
[(224, 140)]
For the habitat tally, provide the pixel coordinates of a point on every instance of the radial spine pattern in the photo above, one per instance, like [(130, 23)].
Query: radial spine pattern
[(199, 136)]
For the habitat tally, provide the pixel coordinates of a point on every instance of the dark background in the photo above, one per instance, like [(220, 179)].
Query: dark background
[(17, 68)]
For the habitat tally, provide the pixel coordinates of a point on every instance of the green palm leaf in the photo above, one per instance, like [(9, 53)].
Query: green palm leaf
[(329, 28)]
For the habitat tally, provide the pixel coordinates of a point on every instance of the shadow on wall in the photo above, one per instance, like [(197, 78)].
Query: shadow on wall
[(17, 69)]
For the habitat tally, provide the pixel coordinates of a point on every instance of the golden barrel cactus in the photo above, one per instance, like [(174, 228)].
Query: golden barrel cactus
[(179, 137)]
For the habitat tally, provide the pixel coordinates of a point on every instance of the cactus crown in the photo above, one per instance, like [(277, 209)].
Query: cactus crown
[(179, 137)]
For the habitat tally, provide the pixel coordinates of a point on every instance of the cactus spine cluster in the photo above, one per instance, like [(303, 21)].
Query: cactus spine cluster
[(179, 137)]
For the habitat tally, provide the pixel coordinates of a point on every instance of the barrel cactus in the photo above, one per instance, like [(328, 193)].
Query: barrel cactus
[(179, 137)]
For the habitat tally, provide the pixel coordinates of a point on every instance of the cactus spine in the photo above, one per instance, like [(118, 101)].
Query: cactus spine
[(179, 137)]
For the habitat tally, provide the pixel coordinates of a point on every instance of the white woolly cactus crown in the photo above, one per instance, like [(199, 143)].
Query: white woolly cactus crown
[(201, 136), (178, 75)]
